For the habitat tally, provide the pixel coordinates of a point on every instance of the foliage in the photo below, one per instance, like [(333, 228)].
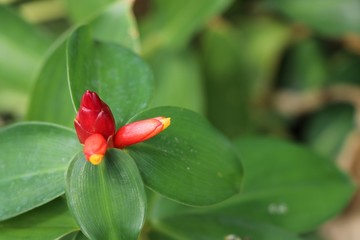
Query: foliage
[(261, 96)]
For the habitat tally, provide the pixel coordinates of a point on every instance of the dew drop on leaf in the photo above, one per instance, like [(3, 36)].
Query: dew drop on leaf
[(278, 208)]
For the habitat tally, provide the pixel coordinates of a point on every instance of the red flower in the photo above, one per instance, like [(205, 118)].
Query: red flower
[(95, 127), (140, 131), (94, 116), (95, 148)]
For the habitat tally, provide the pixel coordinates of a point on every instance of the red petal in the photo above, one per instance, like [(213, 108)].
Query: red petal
[(91, 101), (81, 133), (137, 132), (94, 116), (95, 144)]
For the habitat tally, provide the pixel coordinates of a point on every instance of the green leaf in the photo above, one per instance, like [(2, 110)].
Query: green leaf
[(208, 227), (19, 59), (332, 18), (82, 10), (33, 157), (161, 207), (287, 185), (120, 77), (225, 74), (239, 66), (189, 161), (178, 80), (51, 100), (327, 129), (117, 24), (43, 223), (75, 235), (182, 18), (108, 200)]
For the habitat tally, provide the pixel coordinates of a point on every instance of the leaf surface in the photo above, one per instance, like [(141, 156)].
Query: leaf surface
[(19, 59), (208, 227), (108, 200), (42, 223), (287, 185), (172, 24), (34, 157), (331, 18), (121, 78), (189, 161), (51, 99)]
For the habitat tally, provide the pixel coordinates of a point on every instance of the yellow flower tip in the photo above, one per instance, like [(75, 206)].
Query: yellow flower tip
[(96, 159), (166, 122)]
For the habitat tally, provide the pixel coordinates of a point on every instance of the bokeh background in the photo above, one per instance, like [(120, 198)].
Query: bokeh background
[(285, 68)]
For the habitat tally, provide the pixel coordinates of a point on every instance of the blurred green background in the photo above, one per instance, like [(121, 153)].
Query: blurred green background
[(251, 67), (285, 68)]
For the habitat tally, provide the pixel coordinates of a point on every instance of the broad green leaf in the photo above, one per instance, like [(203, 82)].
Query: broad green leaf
[(112, 21), (178, 80), (51, 100), (82, 10), (208, 227), (161, 207), (298, 208), (34, 157), (189, 161), (75, 235), (328, 128), (333, 18), (121, 78), (287, 185), (108, 200), (19, 59), (239, 66), (43, 223), (172, 24)]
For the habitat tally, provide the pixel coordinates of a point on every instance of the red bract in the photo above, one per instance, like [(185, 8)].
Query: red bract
[(94, 116), (140, 131)]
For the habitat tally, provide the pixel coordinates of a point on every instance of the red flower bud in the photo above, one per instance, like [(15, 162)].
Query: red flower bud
[(95, 148), (140, 131), (94, 116)]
